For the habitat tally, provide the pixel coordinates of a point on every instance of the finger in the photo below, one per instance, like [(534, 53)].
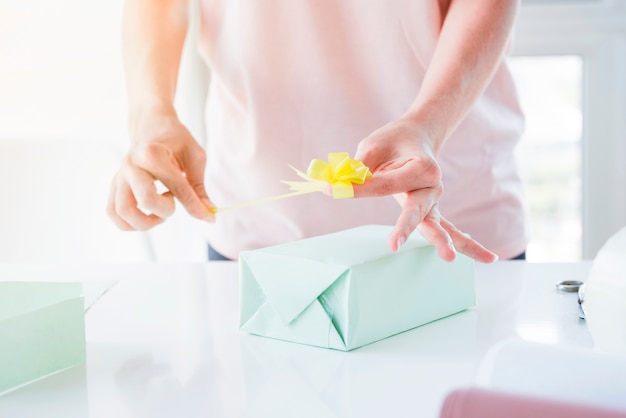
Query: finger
[(399, 177), (373, 157), (416, 206), (210, 208), (146, 195), (467, 245), (195, 177), (431, 229), (126, 208), (186, 195), (163, 166), (110, 209)]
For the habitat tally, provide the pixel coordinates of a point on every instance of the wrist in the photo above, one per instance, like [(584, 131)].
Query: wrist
[(425, 129), (149, 116)]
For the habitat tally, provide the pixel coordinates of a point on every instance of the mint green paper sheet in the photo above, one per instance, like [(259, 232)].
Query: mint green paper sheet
[(42, 330), (348, 289)]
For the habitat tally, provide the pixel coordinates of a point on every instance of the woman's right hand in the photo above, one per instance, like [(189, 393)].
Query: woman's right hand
[(162, 149)]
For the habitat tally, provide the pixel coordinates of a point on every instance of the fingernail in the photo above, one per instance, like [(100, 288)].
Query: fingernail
[(401, 241), (451, 245), (211, 210)]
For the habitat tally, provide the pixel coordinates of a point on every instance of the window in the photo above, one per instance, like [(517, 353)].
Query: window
[(586, 41), (61, 73), (550, 153)]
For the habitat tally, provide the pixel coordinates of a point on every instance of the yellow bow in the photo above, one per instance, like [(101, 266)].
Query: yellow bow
[(341, 172)]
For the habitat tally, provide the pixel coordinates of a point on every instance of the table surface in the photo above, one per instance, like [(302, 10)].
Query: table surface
[(164, 342)]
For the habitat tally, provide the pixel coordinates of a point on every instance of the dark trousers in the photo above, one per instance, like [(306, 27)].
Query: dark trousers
[(215, 256)]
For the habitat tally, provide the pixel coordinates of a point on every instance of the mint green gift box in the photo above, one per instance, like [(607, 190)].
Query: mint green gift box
[(42, 330), (348, 289)]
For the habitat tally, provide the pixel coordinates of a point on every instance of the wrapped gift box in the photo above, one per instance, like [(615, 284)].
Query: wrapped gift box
[(42, 330), (348, 289)]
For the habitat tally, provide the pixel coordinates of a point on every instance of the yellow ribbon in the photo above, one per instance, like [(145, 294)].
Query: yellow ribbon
[(341, 172)]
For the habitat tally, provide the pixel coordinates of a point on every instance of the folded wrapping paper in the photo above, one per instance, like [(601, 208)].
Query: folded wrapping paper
[(348, 289), (480, 403), (42, 330)]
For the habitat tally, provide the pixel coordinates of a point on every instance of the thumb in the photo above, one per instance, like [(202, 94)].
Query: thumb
[(200, 190), (195, 178)]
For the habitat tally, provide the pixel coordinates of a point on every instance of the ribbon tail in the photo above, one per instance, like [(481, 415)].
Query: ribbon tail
[(299, 173), (264, 200), (311, 186)]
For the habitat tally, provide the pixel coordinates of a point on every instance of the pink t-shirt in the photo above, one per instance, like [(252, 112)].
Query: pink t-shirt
[(295, 80)]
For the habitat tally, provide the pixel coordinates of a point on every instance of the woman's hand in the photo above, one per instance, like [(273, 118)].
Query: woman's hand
[(401, 154), (163, 150), (401, 157)]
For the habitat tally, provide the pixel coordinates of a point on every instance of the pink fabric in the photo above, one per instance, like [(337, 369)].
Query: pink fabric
[(295, 80), (479, 403)]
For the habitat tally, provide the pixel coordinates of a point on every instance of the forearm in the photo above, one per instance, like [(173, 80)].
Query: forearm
[(472, 42), (153, 38)]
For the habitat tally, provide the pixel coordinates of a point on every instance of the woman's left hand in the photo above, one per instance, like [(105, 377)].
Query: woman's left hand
[(401, 157)]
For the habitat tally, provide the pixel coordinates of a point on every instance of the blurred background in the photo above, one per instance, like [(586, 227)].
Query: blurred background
[(63, 130)]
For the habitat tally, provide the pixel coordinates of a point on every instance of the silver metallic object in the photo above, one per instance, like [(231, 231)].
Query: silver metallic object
[(572, 286), (569, 285), (581, 301)]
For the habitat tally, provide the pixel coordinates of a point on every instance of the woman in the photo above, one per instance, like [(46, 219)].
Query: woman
[(417, 90)]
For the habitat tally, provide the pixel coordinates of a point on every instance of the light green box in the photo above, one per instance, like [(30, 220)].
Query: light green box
[(348, 289), (42, 330)]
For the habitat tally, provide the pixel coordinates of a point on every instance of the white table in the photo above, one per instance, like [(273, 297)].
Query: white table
[(164, 342)]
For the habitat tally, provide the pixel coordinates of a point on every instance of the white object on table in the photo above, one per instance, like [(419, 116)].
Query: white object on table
[(605, 296), (555, 372)]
